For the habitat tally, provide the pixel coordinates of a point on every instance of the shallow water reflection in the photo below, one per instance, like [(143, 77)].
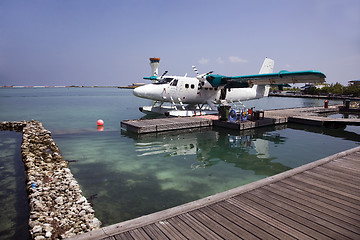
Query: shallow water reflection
[(129, 175)]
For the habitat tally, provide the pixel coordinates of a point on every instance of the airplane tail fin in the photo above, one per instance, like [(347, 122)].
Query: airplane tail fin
[(268, 66)]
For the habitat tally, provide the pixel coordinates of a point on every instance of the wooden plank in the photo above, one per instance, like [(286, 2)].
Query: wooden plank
[(318, 217), (109, 238), (215, 226), (241, 222), (124, 236), (263, 226), (347, 187), (182, 227), (306, 226), (344, 167), (207, 233), (153, 232), (334, 174), (353, 166), (139, 234), (342, 170), (226, 223), (164, 124), (307, 218), (349, 159), (292, 230), (169, 230), (321, 204), (325, 196), (353, 157), (334, 189), (335, 206)]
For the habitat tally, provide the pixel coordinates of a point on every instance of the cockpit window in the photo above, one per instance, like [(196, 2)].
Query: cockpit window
[(174, 83), (164, 80)]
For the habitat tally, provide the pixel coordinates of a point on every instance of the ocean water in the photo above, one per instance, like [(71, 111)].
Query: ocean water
[(126, 175), (14, 209)]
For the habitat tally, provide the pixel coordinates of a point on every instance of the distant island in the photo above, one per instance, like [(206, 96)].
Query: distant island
[(72, 86)]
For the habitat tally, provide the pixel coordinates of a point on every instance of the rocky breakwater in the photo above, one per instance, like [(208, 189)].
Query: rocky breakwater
[(57, 207), (13, 126)]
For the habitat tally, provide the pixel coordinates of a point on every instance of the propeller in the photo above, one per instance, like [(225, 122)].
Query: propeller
[(195, 69), (201, 77), (163, 74)]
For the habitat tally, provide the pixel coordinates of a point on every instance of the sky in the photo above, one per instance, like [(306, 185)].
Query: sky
[(109, 43)]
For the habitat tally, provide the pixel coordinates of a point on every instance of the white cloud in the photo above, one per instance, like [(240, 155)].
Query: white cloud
[(234, 59), (203, 61), (220, 60)]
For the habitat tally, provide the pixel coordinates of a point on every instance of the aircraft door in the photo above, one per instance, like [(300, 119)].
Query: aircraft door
[(173, 88), (223, 94)]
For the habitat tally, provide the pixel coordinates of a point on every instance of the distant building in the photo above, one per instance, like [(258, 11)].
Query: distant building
[(355, 82), (138, 84)]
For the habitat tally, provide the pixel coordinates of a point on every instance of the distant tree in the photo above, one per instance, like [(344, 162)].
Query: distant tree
[(352, 90)]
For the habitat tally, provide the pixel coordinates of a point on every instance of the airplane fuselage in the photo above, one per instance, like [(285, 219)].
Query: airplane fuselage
[(189, 90)]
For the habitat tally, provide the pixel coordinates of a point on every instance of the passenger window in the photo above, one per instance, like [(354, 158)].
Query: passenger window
[(192, 86), (186, 85)]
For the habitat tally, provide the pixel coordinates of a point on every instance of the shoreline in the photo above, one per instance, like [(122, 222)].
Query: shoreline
[(17, 87)]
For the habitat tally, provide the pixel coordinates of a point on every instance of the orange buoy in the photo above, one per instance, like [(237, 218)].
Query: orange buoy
[(100, 122)]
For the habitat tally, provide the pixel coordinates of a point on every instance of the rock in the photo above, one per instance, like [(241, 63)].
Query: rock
[(81, 200), (37, 229), (96, 223), (48, 234), (39, 237), (59, 200), (82, 213)]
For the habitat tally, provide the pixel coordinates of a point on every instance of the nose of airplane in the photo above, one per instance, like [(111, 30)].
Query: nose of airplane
[(139, 92)]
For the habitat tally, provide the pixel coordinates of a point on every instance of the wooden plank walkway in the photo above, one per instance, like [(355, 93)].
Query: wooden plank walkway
[(323, 121), (320, 200), (164, 124)]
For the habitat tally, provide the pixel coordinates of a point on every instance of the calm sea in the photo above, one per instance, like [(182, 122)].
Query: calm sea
[(126, 175)]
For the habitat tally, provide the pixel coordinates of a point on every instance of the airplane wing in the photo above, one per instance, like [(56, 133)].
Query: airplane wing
[(281, 77)]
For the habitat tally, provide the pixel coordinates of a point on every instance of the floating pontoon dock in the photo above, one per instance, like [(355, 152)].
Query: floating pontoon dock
[(309, 116)]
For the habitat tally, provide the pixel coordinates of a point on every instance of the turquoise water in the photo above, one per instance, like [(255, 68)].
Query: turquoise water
[(14, 210), (127, 175)]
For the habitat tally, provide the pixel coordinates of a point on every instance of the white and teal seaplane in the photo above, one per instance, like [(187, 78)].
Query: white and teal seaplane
[(201, 95)]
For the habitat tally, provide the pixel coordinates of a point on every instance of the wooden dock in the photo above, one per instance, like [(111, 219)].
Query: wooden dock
[(250, 124), (320, 200), (321, 121), (165, 124), (308, 116)]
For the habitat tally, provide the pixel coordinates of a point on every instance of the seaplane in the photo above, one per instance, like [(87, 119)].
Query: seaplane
[(203, 94)]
